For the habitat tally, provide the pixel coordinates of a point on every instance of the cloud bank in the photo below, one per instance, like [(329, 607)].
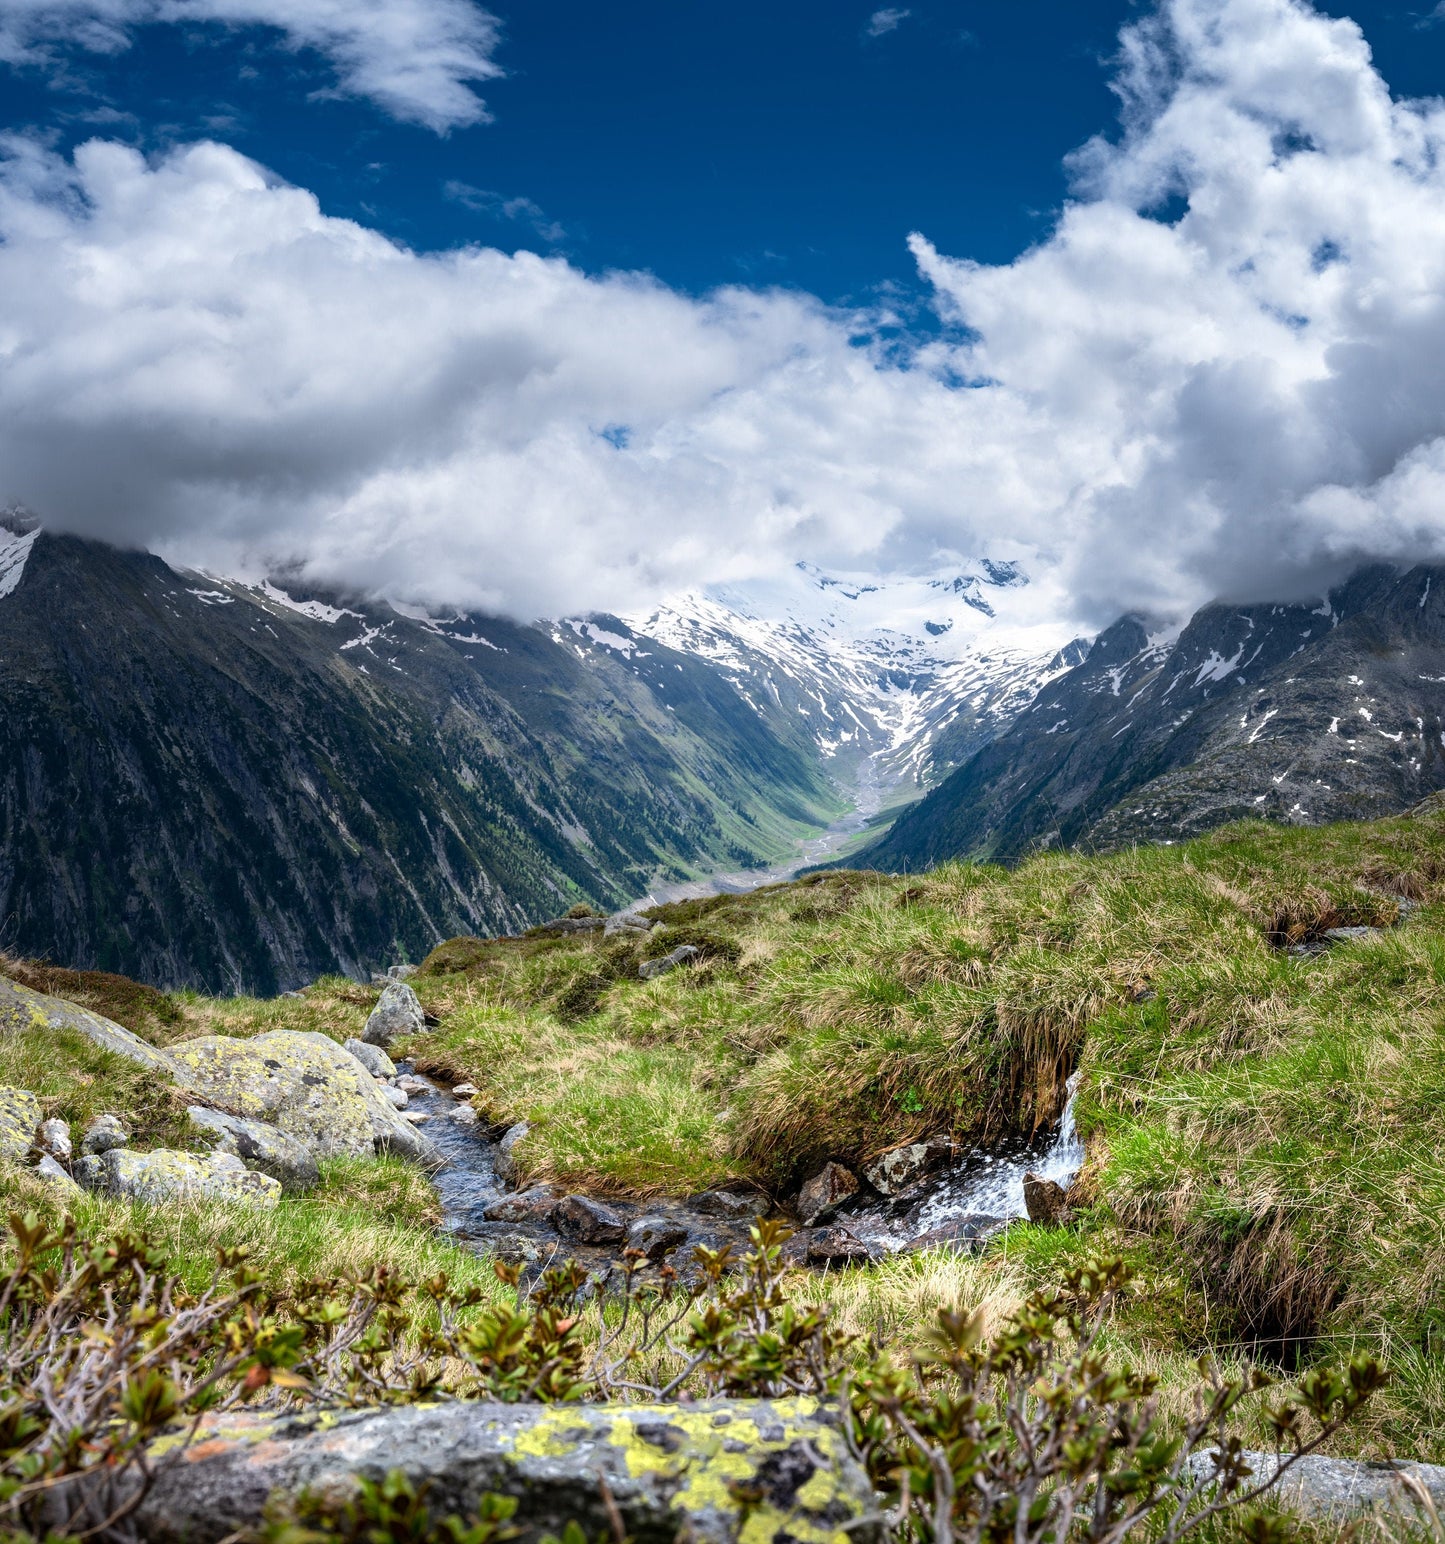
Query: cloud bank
[(1220, 375), (415, 59)]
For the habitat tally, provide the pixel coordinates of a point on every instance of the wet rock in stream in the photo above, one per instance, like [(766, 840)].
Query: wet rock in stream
[(588, 1221)]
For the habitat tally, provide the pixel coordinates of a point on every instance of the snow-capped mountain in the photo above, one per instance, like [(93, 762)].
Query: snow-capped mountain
[(915, 673)]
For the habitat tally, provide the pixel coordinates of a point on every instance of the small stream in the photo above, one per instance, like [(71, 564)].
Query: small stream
[(959, 1206)]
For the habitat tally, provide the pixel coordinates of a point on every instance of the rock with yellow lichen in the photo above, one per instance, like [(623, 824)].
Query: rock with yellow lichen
[(20, 1114), (304, 1084), (718, 1471), (23, 1012)]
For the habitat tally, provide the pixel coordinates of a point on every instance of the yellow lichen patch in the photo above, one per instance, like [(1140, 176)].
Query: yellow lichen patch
[(554, 1435)]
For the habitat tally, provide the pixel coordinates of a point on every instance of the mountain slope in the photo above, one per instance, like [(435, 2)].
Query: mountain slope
[(204, 783), (1297, 713), (914, 673)]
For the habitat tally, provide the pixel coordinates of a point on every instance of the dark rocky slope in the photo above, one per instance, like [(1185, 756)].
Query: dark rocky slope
[(201, 784), (1301, 713)]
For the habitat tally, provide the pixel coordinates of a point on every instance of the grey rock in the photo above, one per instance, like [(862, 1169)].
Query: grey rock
[(463, 1115), (728, 1203), (1344, 935), (1046, 1200), (836, 1246), (464, 1090), (825, 1193), (655, 1236), (506, 1162), (410, 1083), (20, 1115), (667, 1472), (525, 1206), (415, 1117), (372, 1057), (53, 1137), (305, 1084), (89, 1171), (963, 1235), (395, 1097), (54, 1174), (23, 1012), (163, 1175), (650, 969), (297, 996), (401, 972), (266, 1149), (565, 925), (1317, 1487), (587, 1221), (894, 1171), (104, 1133), (397, 1012), (628, 922)]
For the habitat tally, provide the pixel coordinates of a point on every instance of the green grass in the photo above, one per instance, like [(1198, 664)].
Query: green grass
[(1266, 1132)]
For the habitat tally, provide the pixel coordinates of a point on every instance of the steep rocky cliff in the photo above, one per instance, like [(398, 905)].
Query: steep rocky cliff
[(1303, 713), (210, 784)]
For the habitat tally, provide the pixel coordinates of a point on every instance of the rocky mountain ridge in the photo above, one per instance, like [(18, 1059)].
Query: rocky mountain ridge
[(213, 784), (1303, 713)]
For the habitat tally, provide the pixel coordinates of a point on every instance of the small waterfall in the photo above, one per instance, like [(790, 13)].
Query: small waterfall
[(987, 1184)]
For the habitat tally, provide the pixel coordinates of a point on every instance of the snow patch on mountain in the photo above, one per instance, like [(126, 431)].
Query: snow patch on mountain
[(14, 550), (880, 669)]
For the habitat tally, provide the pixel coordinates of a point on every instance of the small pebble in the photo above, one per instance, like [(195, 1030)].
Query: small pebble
[(416, 1117)]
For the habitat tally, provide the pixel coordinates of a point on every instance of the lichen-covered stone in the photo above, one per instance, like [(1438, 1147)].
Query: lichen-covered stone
[(306, 1085), (397, 1012), (717, 1472), (1320, 1487), (650, 969), (20, 1114), (53, 1174), (372, 1057), (104, 1133), (23, 1012), (825, 1193), (53, 1137), (895, 1170), (266, 1149), (164, 1175)]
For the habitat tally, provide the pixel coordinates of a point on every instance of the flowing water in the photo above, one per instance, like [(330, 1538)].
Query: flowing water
[(976, 1196)]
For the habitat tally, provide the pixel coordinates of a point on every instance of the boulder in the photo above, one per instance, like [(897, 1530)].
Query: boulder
[(372, 1057), (164, 1175), (401, 972), (706, 1471), (894, 1171), (1317, 1487), (53, 1174), (463, 1115), (835, 1246), (306, 1085), (23, 1012), (649, 969), (397, 1012), (104, 1133), (89, 1171), (587, 1221), (825, 1193), (655, 1236), (728, 1203), (562, 926), (963, 1235), (395, 1097), (532, 1205), (266, 1149), (1046, 1200), (53, 1137), (506, 1161), (626, 922), (20, 1115)]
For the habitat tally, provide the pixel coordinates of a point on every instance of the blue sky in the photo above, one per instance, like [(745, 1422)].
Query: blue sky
[(790, 142)]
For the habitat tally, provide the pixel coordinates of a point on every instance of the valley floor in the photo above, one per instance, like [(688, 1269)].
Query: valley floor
[(1263, 1104)]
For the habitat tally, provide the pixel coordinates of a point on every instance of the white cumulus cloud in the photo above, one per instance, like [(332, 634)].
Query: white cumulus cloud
[(889, 19), (418, 60), (1219, 375)]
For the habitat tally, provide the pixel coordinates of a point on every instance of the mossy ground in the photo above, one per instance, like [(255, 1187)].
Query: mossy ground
[(1265, 1130)]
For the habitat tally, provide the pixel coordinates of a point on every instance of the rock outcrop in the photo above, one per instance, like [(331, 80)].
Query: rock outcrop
[(825, 1193), (23, 1012), (304, 1084), (265, 1149), (1319, 1488), (650, 969), (398, 1012), (164, 1175), (20, 1114), (707, 1471)]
